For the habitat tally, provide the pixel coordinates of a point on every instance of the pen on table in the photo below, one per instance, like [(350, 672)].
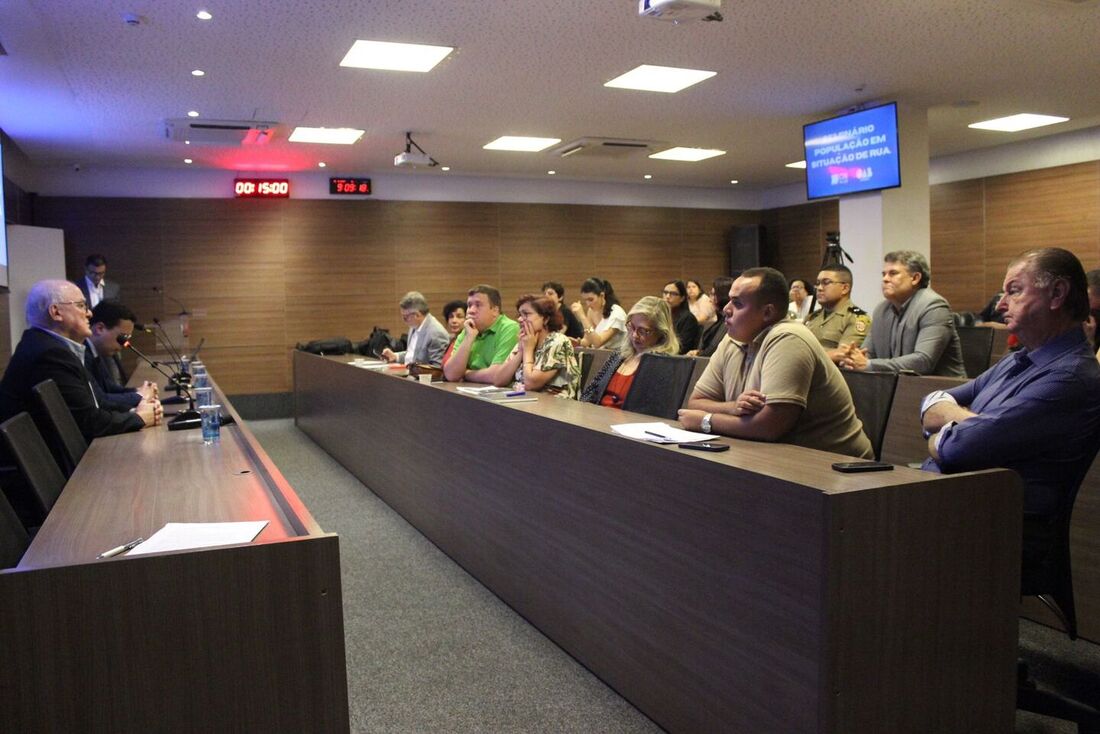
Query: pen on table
[(121, 549), (658, 435), (515, 394)]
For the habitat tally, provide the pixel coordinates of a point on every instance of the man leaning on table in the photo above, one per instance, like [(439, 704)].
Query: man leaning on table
[(771, 380), (110, 321), (487, 338), (1037, 411), (428, 339), (53, 348)]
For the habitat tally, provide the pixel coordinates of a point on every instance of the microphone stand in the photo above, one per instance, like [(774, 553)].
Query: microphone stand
[(185, 419), (182, 376)]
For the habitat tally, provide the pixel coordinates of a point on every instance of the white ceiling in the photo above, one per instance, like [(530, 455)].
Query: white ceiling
[(79, 86)]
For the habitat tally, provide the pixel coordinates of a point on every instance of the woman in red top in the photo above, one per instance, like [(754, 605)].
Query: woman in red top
[(648, 329)]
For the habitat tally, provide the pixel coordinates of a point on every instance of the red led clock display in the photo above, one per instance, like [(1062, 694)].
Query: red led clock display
[(353, 186), (261, 188)]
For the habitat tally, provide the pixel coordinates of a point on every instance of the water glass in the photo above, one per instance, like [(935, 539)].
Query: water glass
[(211, 424), (203, 396), (199, 378)]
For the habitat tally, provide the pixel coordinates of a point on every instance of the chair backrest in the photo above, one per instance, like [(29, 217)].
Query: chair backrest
[(34, 460), (873, 396), (13, 536), (597, 358), (66, 443), (977, 348), (700, 367), (903, 443), (659, 385)]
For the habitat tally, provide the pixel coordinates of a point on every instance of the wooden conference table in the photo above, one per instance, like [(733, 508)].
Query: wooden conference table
[(755, 590), (239, 638)]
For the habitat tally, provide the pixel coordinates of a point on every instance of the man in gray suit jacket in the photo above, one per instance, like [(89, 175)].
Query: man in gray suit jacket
[(913, 328), (428, 339), (94, 285)]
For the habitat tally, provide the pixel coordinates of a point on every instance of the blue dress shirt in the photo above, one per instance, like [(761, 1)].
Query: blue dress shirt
[(1038, 414)]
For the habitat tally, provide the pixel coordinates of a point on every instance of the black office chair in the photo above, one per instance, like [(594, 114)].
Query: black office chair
[(659, 385), (873, 396), (1046, 572), (36, 465), (67, 442), (13, 536), (977, 348)]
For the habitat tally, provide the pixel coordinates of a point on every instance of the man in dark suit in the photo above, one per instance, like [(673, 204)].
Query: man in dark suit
[(53, 348), (110, 320), (94, 285)]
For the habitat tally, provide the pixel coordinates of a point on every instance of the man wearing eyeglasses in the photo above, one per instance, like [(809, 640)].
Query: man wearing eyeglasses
[(94, 285), (111, 320), (428, 339), (839, 324), (53, 348)]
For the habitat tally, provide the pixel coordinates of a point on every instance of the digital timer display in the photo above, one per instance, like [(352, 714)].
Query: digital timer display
[(353, 186), (261, 188)]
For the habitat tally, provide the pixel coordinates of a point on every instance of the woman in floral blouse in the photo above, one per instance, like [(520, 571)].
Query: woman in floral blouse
[(543, 359)]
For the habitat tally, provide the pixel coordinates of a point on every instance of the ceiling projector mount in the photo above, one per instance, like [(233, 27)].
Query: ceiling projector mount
[(409, 159)]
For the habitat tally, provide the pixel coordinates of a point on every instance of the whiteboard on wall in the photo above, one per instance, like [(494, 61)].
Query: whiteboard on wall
[(34, 254)]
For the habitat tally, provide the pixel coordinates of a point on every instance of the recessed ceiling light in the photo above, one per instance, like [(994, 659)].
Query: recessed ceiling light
[(188, 160), (551, 173), (659, 78), (797, 164), (648, 176), (1016, 123), (394, 56), (445, 168), (734, 181), (198, 72), (193, 113), (321, 164), (187, 142), (203, 15), (328, 135), (687, 154), (521, 143)]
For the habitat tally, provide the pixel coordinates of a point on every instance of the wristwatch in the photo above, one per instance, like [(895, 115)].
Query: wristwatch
[(704, 425)]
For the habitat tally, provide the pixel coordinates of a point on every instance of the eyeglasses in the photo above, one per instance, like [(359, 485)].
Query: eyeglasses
[(406, 315), (825, 283), (81, 305), (673, 292), (641, 331)]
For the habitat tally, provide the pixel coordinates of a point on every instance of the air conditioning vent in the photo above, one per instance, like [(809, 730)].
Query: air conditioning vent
[(219, 132), (593, 147)]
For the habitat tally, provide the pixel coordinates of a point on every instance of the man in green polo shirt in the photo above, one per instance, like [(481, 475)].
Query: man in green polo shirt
[(488, 337)]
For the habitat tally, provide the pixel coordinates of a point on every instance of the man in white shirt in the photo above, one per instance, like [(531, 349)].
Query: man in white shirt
[(428, 339), (94, 285)]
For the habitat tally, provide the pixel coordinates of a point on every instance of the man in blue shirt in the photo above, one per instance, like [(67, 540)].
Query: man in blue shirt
[(1037, 411)]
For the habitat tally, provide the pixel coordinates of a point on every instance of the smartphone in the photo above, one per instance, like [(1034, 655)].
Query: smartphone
[(849, 467), (705, 446)]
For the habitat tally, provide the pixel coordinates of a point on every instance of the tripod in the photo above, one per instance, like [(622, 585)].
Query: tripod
[(834, 255)]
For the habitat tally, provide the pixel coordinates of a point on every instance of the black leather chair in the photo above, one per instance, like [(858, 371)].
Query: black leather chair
[(977, 348), (36, 465), (659, 385), (592, 361), (1046, 572), (873, 395), (13, 536), (66, 442)]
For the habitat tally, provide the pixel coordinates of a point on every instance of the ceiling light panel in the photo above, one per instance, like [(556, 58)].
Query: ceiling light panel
[(394, 56), (687, 154), (327, 135), (667, 79), (521, 144), (1016, 123), (797, 164)]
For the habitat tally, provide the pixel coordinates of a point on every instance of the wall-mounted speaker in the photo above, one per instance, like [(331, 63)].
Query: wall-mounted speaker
[(746, 248)]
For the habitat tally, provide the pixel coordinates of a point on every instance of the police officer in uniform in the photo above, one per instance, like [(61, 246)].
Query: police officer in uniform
[(838, 322)]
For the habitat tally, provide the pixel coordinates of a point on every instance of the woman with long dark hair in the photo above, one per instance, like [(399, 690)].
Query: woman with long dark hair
[(687, 326), (599, 312)]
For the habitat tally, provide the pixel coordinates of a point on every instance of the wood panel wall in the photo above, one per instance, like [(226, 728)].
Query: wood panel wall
[(979, 225), (796, 236), (260, 276)]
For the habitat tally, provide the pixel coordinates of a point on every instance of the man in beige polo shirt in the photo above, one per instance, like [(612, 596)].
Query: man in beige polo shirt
[(772, 381)]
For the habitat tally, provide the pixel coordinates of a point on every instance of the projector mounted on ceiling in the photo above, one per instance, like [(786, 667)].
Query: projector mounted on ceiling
[(680, 11), (410, 159)]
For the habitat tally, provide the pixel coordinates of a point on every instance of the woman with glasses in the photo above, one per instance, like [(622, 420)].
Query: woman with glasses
[(543, 359), (649, 328), (799, 307), (684, 321), (700, 304), (600, 314)]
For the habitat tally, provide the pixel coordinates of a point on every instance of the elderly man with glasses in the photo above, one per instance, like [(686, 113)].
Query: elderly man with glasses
[(52, 348), (428, 339), (839, 324)]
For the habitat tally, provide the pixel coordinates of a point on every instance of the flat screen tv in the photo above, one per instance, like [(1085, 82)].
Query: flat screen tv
[(853, 153)]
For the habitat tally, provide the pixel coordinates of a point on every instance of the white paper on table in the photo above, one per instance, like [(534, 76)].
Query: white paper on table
[(664, 433), (175, 536), (486, 390), (370, 365)]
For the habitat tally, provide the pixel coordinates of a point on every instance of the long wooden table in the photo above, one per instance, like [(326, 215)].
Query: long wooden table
[(239, 638), (756, 590)]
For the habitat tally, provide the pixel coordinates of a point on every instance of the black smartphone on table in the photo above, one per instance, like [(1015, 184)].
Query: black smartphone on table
[(852, 467)]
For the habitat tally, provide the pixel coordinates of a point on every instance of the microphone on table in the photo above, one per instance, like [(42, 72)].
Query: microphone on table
[(189, 418)]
